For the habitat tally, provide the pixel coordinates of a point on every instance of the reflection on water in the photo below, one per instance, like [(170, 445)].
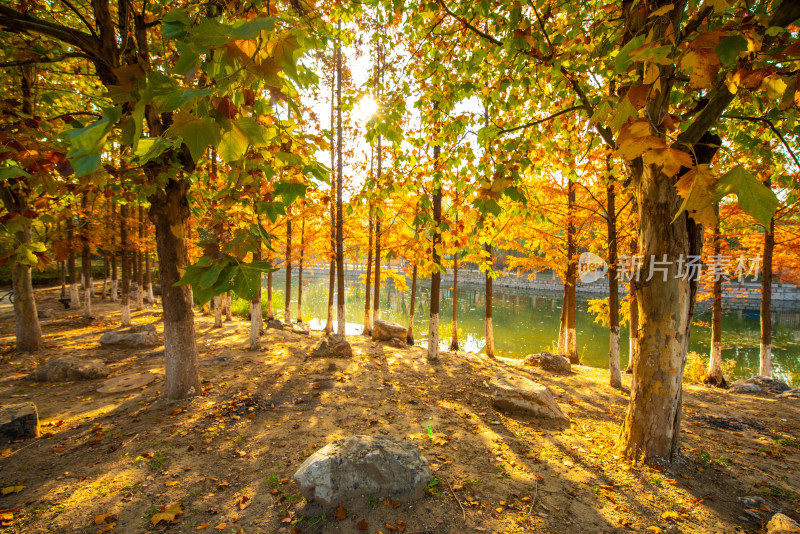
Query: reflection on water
[(526, 321)]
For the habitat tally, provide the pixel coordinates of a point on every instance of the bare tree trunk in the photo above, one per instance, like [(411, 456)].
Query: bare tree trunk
[(765, 356), (562, 322), (340, 317), (454, 338), (633, 339), (489, 303), (270, 309), (436, 277), (376, 308), (714, 375), (218, 311), (228, 301), (410, 332), (74, 294), (256, 320), (615, 378), (287, 315), (86, 259), (114, 280), (300, 271), (367, 302), (105, 277), (139, 262), (572, 278), (332, 266), (62, 266), (125, 298), (169, 213), (148, 281)]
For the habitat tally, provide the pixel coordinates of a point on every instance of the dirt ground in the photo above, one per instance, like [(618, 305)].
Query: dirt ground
[(224, 461)]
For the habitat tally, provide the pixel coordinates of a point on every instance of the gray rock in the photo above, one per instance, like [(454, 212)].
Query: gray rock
[(518, 394), (67, 368), (792, 393), (19, 421), (301, 329), (274, 323), (348, 470), (782, 524), (555, 363), (132, 338), (764, 384), (333, 346), (387, 330)]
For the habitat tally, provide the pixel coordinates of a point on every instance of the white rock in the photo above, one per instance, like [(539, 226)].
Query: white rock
[(388, 330), (348, 470), (135, 337), (518, 394)]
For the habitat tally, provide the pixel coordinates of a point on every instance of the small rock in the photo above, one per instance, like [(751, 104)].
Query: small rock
[(67, 368), (45, 314), (333, 346), (782, 524), (555, 363), (18, 421), (387, 330), (770, 385), (274, 323), (792, 393), (301, 329), (518, 394), (347, 470), (132, 338)]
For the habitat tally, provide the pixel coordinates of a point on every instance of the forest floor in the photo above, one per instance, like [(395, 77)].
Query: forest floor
[(110, 462)]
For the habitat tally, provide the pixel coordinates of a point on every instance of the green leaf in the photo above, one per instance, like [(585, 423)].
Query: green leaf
[(271, 209), (624, 59), (197, 134), (290, 191), (624, 112), (87, 143), (174, 24), (755, 199), (151, 147), (240, 134), (253, 27), (514, 194), (728, 49), (178, 98), (7, 173)]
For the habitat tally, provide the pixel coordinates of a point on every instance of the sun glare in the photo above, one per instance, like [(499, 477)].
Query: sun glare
[(365, 108)]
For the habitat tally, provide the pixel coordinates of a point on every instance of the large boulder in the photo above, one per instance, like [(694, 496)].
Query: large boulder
[(347, 470), (275, 323), (513, 393), (555, 363), (782, 524), (135, 337), (388, 330), (758, 384), (792, 393), (333, 346), (19, 421), (67, 368), (300, 329)]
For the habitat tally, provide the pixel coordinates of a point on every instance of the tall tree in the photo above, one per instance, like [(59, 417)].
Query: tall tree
[(340, 317)]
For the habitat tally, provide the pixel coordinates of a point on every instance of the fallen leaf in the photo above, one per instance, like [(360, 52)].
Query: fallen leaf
[(362, 525), (655, 530), (12, 489), (204, 525), (671, 514), (108, 528), (101, 518), (167, 513), (244, 501), (170, 483), (340, 514), (221, 526)]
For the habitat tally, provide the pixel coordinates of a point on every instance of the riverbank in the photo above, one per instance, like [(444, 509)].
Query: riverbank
[(228, 456)]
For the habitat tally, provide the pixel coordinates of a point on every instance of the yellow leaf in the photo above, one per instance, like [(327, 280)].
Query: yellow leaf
[(696, 189), (655, 530), (662, 10), (702, 65), (669, 159), (202, 526), (167, 513), (221, 526), (632, 148), (671, 514), (774, 86), (170, 483), (12, 489), (101, 518)]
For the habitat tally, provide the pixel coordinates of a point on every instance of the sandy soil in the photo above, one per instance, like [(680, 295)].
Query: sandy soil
[(113, 462)]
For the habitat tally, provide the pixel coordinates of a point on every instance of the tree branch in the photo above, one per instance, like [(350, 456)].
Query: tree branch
[(56, 59), (80, 16), (604, 132), (539, 121), (469, 26), (771, 127), (17, 22), (719, 99)]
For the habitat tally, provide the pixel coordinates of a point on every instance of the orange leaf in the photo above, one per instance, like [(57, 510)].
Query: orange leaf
[(669, 159), (340, 514), (362, 525)]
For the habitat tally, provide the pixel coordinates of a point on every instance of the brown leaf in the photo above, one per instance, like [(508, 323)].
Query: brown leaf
[(102, 518), (340, 514), (167, 513), (362, 525), (244, 501)]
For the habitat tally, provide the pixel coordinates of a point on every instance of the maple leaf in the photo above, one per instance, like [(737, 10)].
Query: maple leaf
[(702, 65), (669, 159), (167, 513), (340, 514), (696, 187)]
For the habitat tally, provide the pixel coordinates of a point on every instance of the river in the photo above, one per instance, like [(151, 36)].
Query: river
[(526, 321)]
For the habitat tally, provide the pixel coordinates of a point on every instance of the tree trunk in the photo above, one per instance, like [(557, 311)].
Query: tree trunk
[(63, 269), (652, 421), (367, 302), (74, 294), (139, 262), (228, 302), (454, 338), (300, 271), (376, 308), (714, 376), (332, 267), (105, 277), (270, 309), (256, 320), (633, 338), (125, 297), (218, 311), (615, 378), (148, 281), (410, 332), (489, 303), (562, 322), (572, 278), (114, 280), (340, 318), (765, 357), (288, 292), (86, 260), (436, 277), (169, 213)]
